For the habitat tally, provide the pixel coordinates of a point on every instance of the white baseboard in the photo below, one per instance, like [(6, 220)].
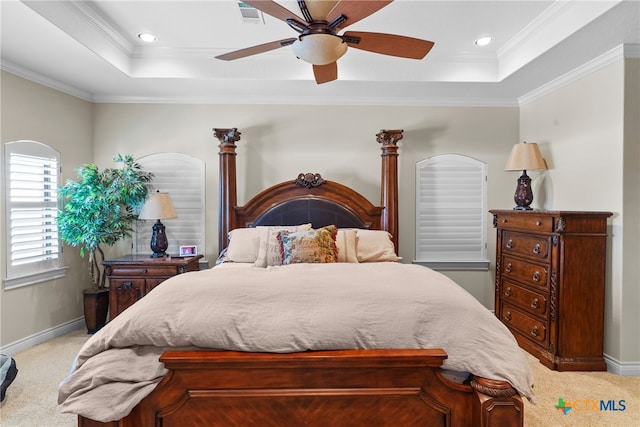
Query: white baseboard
[(624, 369), (43, 336)]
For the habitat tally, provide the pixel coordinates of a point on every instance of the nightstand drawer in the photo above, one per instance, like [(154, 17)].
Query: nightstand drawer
[(525, 272), (528, 245), (529, 327), (530, 301), (165, 270), (528, 222), (128, 270)]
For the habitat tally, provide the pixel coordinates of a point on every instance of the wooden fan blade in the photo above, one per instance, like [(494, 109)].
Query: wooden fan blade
[(272, 8), (390, 44), (355, 10), (254, 50), (325, 73)]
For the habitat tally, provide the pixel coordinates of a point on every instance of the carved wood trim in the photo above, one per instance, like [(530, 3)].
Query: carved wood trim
[(309, 180), (493, 388)]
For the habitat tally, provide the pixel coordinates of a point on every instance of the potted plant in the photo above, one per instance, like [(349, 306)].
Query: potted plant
[(99, 208)]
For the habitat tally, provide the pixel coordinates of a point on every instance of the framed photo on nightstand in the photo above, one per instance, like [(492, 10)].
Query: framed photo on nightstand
[(188, 250)]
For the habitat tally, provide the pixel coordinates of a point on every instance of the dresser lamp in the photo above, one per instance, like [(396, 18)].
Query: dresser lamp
[(158, 206), (524, 156)]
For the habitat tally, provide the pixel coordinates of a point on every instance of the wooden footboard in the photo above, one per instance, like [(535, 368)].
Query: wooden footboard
[(330, 388)]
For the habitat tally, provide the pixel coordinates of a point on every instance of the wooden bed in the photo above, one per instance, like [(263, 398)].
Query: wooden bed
[(394, 387)]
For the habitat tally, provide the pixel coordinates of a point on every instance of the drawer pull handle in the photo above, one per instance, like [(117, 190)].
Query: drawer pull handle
[(507, 316), (534, 303), (536, 277), (504, 220), (507, 292), (508, 269), (126, 285), (536, 248), (534, 331), (509, 244), (538, 223)]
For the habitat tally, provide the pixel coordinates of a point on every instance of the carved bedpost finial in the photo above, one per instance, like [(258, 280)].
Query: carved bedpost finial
[(227, 136), (309, 180), (389, 137)]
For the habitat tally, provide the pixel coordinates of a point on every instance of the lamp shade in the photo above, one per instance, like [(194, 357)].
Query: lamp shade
[(319, 49), (158, 206), (525, 156)]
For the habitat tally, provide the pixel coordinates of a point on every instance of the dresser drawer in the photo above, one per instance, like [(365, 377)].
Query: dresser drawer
[(526, 272), (527, 222), (526, 325), (528, 245), (532, 302)]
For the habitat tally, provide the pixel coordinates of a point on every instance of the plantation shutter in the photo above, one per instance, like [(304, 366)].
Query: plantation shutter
[(32, 176), (451, 210), (183, 177)]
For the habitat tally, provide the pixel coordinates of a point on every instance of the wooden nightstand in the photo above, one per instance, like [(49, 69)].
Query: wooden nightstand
[(133, 276)]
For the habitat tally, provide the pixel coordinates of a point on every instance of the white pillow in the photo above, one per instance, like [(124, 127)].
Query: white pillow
[(269, 249), (347, 245), (244, 244), (375, 246)]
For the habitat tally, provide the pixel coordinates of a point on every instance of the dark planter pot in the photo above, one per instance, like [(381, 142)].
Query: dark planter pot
[(96, 307)]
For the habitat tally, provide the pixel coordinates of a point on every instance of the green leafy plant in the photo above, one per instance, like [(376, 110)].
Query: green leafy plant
[(99, 208)]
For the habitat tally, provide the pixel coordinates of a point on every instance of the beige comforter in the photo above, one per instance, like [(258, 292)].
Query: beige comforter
[(288, 309)]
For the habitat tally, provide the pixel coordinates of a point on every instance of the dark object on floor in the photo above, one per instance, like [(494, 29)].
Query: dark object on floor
[(8, 372)]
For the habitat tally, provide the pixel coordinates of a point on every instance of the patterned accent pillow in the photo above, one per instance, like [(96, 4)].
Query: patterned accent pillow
[(313, 246), (269, 250)]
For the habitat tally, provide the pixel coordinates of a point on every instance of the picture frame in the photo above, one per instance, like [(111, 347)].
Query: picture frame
[(189, 250)]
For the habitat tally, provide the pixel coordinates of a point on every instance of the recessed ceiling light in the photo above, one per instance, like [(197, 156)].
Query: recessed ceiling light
[(483, 41), (147, 37)]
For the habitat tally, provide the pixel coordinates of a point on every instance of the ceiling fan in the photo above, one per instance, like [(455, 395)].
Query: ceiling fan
[(319, 43)]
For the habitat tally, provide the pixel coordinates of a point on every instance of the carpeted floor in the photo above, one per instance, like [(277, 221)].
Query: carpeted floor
[(31, 399)]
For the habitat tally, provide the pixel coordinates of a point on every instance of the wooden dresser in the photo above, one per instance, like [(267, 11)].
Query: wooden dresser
[(550, 284), (133, 276)]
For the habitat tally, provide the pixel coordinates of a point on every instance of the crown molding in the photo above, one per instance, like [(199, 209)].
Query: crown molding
[(616, 54)]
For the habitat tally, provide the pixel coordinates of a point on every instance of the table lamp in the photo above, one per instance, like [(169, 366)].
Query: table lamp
[(158, 206), (524, 156)]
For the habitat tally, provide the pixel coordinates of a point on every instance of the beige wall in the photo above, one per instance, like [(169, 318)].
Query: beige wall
[(339, 142), (33, 112), (581, 131), (588, 132)]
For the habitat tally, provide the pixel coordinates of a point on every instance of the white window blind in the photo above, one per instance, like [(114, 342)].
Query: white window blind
[(32, 176), (451, 212), (183, 177)]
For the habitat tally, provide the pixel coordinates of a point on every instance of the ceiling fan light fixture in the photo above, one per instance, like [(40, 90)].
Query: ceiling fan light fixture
[(319, 49)]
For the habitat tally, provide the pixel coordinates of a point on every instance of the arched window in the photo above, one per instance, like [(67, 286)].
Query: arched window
[(32, 177), (451, 206), (183, 177)]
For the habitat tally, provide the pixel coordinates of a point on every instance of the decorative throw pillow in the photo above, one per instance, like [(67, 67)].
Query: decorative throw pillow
[(346, 242), (244, 245), (312, 246), (269, 250), (375, 246)]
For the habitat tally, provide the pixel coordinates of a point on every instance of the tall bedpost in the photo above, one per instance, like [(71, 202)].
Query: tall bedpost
[(227, 182), (389, 182)]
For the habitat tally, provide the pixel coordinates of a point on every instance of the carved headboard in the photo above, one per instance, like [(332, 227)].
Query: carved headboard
[(308, 198)]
